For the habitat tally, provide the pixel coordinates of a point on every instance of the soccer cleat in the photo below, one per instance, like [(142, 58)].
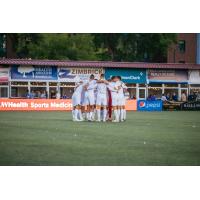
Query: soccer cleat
[(115, 120), (76, 120)]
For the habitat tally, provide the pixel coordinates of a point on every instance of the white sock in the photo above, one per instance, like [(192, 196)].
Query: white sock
[(76, 114), (104, 114), (80, 115), (124, 110), (88, 115), (116, 115), (98, 115), (73, 113), (84, 115), (121, 114), (91, 115)]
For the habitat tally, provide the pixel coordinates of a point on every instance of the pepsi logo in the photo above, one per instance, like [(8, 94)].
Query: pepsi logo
[(142, 104)]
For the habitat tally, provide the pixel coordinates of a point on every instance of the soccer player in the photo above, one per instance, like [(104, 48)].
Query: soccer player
[(76, 102), (113, 87), (89, 100), (101, 101), (121, 103)]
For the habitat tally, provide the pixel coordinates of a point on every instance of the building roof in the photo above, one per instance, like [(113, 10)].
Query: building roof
[(109, 64)]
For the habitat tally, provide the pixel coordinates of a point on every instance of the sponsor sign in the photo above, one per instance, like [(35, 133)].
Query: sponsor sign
[(35, 104), (127, 75), (145, 105), (191, 105), (172, 106), (34, 72), (46, 104), (4, 74), (167, 76), (77, 74), (194, 76), (131, 105)]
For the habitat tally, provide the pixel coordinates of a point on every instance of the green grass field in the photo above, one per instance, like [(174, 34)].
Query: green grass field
[(146, 138)]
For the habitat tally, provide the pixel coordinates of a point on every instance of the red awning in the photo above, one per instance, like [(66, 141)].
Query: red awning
[(63, 63)]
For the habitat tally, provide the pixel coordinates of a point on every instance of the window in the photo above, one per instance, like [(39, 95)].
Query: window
[(155, 85), (181, 46), (171, 85), (3, 92)]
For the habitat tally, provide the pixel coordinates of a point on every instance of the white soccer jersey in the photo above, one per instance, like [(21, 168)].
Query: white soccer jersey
[(101, 94), (121, 92), (89, 93), (76, 97), (114, 93)]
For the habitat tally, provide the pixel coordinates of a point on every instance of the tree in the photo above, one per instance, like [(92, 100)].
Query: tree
[(63, 46), (142, 47), (2, 45), (151, 47)]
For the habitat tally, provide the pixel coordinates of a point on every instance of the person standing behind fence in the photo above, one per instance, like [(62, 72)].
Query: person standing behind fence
[(183, 96)]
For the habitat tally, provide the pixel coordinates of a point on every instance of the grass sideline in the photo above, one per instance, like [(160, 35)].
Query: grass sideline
[(146, 138)]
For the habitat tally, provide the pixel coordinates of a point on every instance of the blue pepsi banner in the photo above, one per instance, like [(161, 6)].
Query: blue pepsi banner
[(145, 105), (34, 72), (128, 75)]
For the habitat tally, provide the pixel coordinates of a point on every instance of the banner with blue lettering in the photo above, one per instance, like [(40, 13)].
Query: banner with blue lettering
[(127, 75), (145, 105), (34, 72)]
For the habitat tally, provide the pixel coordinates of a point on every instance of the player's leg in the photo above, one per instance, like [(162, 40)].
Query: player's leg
[(87, 106), (104, 103), (124, 108), (109, 108), (73, 112), (74, 103), (124, 112), (98, 108), (115, 108), (91, 103), (121, 109)]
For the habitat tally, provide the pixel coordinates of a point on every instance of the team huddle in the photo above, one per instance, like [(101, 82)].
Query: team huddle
[(96, 100)]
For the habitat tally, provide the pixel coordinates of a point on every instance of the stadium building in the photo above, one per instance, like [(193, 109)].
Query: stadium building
[(57, 78)]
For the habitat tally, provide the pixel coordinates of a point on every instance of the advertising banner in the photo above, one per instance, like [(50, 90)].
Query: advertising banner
[(77, 74), (145, 105), (34, 72), (4, 74), (167, 76), (35, 104), (46, 104), (194, 76), (191, 105), (127, 75), (131, 105)]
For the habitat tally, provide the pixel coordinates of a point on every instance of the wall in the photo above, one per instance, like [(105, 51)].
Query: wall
[(175, 56)]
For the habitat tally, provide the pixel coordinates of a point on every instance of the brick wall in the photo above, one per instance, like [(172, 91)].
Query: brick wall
[(189, 56)]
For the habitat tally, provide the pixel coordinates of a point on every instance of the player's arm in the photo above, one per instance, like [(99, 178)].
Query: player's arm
[(124, 86), (92, 86), (111, 88)]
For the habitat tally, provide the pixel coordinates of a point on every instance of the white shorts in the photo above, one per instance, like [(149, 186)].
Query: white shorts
[(102, 100), (122, 101), (89, 99), (76, 99), (115, 99)]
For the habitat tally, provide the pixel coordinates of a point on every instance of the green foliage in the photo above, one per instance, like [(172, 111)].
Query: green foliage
[(150, 47), (60, 46), (142, 47), (2, 47)]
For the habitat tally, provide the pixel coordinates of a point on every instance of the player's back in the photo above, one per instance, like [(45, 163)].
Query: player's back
[(101, 88)]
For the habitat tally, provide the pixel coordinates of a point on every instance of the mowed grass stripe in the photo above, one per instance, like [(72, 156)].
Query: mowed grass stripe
[(146, 138)]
